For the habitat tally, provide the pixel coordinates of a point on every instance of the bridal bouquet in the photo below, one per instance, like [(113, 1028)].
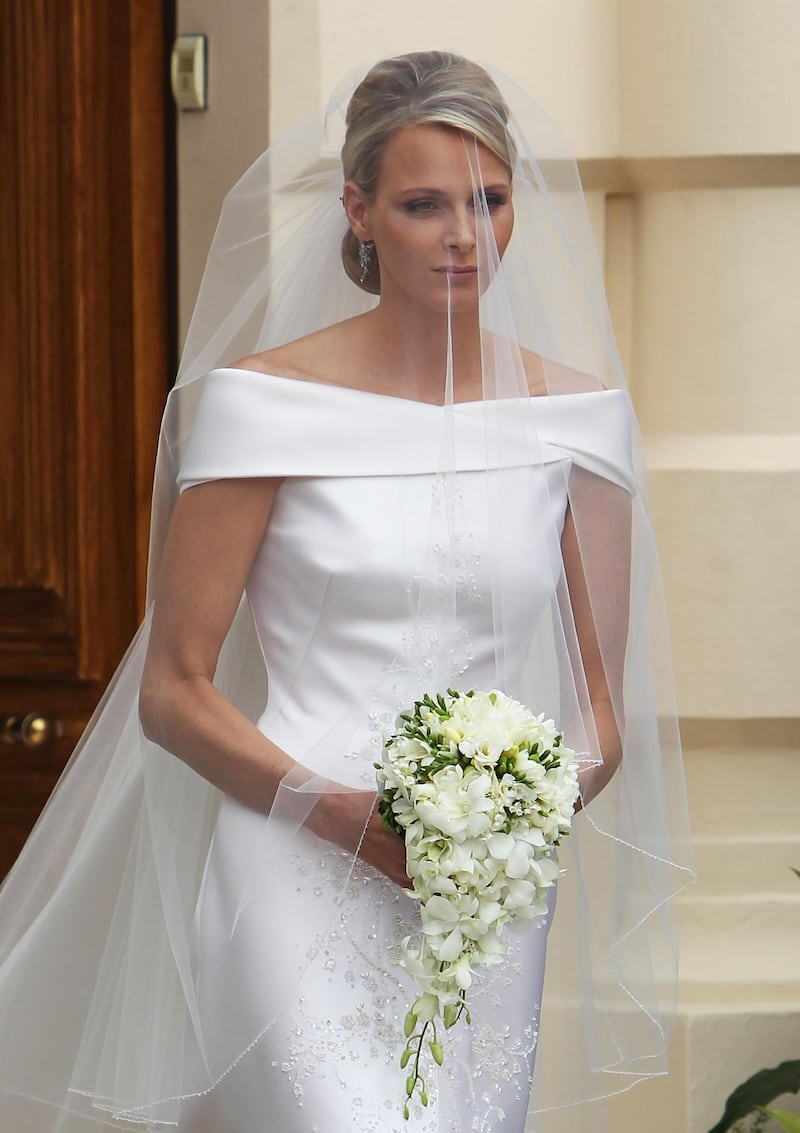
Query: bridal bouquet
[(481, 790)]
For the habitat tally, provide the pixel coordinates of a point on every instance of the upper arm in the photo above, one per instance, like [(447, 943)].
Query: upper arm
[(214, 536), (596, 549)]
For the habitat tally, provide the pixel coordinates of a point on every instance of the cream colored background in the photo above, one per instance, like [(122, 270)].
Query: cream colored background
[(685, 115)]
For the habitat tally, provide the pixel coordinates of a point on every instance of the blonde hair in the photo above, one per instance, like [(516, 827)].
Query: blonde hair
[(425, 88)]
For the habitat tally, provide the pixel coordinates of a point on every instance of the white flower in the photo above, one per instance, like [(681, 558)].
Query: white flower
[(422, 968), (455, 802), (481, 790), (489, 910), (514, 852), (460, 972), (519, 894), (492, 947)]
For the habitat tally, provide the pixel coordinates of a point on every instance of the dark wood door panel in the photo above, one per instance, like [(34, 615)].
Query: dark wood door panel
[(83, 371), (25, 792)]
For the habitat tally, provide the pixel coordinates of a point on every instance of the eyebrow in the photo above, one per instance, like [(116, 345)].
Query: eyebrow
[(429, 192)]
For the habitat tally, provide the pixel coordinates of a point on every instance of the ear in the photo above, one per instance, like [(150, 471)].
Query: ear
[(355, 207)]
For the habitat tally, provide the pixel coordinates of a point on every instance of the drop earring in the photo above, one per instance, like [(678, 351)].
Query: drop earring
[(365, 251)]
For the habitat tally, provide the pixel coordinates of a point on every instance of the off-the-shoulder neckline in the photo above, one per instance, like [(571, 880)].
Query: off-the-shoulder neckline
[(331, 386)]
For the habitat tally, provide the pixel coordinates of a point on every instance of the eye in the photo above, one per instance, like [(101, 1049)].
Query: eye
[(494, 201), (423, 205)]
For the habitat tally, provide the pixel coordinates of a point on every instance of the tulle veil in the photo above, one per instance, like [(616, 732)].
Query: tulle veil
[(98, 1001)]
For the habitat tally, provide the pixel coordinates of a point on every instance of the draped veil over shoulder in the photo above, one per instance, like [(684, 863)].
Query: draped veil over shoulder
[(165, 951)]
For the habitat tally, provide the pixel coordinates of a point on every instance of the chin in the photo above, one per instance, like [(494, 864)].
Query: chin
[(463, 304), (459, 302)]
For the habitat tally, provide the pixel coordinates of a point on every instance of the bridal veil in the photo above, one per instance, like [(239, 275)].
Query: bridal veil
[(98, 997)]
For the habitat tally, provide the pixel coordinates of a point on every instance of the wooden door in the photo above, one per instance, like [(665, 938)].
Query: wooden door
[(83, 366)]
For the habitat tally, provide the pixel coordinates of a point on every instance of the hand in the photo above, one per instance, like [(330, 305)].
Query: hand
[(385, 850), (343, 816)]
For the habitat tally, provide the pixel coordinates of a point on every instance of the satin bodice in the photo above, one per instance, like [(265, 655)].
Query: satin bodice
[(386, 538)]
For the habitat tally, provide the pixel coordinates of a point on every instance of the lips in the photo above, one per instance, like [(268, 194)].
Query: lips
[(457, 271)]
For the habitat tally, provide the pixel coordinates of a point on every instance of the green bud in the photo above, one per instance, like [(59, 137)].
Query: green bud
[(404, 1058), (450, 1015), (437, 1052), (410, 1083), (409, 1024), (424, 1098), (406, 1114)]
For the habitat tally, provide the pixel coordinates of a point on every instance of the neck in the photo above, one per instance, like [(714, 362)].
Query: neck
[(412, 344)]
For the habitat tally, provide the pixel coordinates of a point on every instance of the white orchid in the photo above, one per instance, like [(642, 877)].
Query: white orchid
[(481, 790)]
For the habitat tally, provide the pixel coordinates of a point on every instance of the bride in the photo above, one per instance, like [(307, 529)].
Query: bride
[(420, 474)]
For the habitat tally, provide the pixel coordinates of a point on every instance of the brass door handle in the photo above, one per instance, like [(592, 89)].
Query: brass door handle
[(32, 730)]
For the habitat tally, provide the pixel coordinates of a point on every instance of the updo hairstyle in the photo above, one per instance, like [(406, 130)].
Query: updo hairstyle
[(426, 88)]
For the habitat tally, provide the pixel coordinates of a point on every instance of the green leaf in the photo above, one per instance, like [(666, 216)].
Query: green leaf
[(797, 871), (788, 1121), (759, 1090)]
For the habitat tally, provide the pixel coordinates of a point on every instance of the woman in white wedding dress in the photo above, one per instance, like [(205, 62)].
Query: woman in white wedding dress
[(432, 488)]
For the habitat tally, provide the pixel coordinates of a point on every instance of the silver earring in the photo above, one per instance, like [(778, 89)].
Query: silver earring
[(365, 251)]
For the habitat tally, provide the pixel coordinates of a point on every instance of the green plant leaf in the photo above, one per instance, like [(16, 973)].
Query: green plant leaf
[(788, 1121), (759, 1090)]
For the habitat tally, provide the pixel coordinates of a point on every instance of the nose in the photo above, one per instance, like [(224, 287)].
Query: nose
[(461, 233)]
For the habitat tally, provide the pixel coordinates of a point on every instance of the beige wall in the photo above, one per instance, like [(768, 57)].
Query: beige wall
[(685, 115), (530, 41), (702, 77), (216, 145)]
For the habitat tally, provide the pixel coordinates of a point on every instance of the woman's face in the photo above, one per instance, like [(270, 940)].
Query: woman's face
[(422, 217)]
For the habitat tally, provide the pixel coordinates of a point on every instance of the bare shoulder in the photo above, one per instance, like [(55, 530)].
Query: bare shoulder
[(547, 376), (322, 356), (534, 372)]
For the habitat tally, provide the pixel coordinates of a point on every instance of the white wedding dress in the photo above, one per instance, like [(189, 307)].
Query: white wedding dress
[(295, 946), (205, 967)]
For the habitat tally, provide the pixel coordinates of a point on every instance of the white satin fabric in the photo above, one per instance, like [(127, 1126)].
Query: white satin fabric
[(252, 424), (352, 537)]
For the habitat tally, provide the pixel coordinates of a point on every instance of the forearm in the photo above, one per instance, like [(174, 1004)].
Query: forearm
[(195, 722), (594, 779), (192, 719)]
